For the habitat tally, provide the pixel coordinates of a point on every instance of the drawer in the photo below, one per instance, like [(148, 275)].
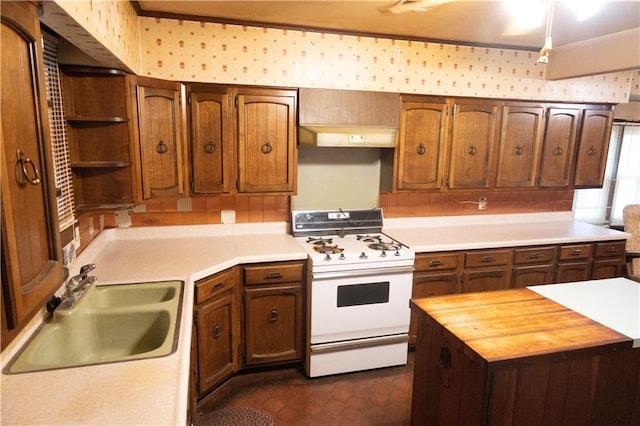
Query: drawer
[(436, 262), (524, 256), (578, 251), (273, 273), (610, 249), (474, 259), (212, 286)]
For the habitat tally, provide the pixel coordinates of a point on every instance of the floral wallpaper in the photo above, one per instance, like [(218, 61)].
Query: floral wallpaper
[(234, 54), (210, 52)]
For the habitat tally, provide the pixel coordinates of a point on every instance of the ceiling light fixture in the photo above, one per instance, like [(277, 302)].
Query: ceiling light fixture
[(548, 44)]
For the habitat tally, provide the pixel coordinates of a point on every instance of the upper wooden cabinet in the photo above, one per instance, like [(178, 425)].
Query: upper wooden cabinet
[(558, 153), (267, 145), (520, 144), (474, 132), (31, 254), (593, 147), (211, 139), (331, 107), (421, 149), (160, 137)]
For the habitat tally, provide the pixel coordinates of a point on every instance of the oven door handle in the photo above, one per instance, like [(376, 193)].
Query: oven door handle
[(362, 272), (359, 343)]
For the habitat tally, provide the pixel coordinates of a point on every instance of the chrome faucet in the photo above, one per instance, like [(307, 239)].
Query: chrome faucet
[(76, 285)]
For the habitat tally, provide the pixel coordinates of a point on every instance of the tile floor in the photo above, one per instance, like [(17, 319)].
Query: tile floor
[(375, 397)]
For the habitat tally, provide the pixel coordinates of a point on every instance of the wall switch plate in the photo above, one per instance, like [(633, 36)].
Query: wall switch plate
[(482, 203)]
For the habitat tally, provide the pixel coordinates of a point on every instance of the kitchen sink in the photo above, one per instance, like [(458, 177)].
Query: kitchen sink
[(111, 323)]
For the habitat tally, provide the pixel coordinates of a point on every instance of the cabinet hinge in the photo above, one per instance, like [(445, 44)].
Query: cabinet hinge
[(192, 184), (195, 319), (244, 358), (235, 101), (243, 298), (453, 112)]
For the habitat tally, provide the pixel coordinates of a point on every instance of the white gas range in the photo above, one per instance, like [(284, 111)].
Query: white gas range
[(359, 293)]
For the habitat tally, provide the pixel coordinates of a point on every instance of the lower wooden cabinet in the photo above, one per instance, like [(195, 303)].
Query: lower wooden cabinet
[(486, 270), (608, 260), (273, 324), (533, 266), (273, 313), (217, 325), (573, 263)]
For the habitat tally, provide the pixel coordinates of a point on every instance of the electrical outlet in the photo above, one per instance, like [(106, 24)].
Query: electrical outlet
[(482, 203)]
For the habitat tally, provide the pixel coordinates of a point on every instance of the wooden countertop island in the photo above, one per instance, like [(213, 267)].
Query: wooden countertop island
[(516, 357)]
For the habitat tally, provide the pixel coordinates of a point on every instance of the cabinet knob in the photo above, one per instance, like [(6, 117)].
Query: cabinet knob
[(518, 150), (421, 150), (162, 147), (592, 151), (273, 315), (266, 148), (217, 331), (210, 147), (22, 174), (473, 150), (557, 150)]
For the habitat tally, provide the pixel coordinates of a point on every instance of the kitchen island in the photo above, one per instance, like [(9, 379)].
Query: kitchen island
[(556, 354)]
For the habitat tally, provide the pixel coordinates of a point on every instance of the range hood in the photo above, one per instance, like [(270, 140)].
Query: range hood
[(340, 136), (348, 118)]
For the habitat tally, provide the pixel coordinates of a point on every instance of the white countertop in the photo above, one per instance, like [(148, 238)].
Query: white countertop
[(154, 391), (489, 231), (613, 302), (151, 391)]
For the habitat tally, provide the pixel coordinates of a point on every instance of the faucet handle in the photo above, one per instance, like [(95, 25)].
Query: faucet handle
[(85, 269)]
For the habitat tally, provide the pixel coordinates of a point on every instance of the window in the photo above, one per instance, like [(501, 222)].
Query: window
[(59, 143), (621, 183)]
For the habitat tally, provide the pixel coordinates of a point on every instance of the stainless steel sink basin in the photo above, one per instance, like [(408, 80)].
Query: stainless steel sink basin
[(109, 324)]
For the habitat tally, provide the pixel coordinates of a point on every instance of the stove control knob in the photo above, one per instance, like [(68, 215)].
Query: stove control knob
[(327, 257), (383, 254), (342, 256), (397, 253), (363, 256)]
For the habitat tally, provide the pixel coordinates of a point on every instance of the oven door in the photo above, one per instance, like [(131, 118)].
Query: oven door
[(359, 304)]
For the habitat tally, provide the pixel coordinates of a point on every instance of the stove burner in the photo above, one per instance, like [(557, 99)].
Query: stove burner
[(369, 238), (319, 240), (384, 246), (327, 249)]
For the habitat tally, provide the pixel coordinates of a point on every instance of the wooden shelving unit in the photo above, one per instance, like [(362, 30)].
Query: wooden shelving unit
[(98, 111)]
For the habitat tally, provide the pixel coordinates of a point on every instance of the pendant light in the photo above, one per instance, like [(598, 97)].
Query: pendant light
[(548, 44)]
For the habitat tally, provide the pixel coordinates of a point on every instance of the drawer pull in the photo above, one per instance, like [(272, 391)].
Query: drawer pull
[(217, 287), (289, 292), (576, 252), (274, 276), (435, 263), (612, 249), (273, 315), (487, 259), (535, 255), (217, 331)]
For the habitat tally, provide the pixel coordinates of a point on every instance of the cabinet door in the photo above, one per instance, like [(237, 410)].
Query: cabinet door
[(520, 144), (211, 139), (556, 162), (572, 271), (422, 145), (267, 151), (274, 323), (159, 119), (31, 253), (485, 279), (524, 276), (430, 285), (217, 341), (474, 134), (607, 268), (593, 148)]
